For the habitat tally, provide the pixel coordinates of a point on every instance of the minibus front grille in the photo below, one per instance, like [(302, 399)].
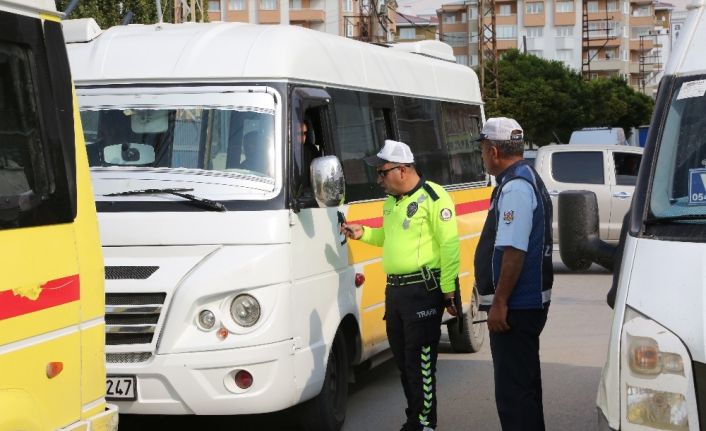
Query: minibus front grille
[(129, 272), (127, 358), (131, 318)]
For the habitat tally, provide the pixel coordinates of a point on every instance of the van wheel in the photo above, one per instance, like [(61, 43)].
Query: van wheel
[(327, 411), (469, 338)]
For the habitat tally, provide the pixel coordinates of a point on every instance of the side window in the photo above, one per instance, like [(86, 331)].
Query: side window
[(418, 123), (462, 124), (360, 131), (626, 167), (35, 188), (578, 167)]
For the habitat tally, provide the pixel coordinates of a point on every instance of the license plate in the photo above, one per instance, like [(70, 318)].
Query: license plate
[(121, 388)]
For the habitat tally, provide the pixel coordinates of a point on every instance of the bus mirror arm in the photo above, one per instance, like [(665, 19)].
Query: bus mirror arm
[(579, 242)]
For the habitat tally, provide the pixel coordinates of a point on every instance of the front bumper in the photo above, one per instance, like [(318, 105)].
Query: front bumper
[(202, 382)]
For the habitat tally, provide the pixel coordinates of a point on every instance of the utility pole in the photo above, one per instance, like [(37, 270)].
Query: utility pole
[(488, 51)]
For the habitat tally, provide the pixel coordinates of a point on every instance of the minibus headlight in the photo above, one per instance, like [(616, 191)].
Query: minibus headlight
[(245, 310), (655, 366), (207, 319), (657, 409)]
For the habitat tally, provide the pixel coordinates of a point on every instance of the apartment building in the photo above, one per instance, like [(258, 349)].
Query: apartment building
[(350, 18), (596, 37), (411, 28)]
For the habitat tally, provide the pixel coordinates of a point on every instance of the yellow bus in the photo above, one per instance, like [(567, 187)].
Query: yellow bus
[(52, 362)]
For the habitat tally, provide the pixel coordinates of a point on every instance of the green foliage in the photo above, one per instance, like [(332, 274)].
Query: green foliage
[(550, 100), (108, 13)]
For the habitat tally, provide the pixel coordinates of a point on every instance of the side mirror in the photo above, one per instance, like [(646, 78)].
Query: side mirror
[(327, 181), (579, 243)]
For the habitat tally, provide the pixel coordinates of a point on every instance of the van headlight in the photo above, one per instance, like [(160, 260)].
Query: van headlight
[(245, 310), (655, 376)]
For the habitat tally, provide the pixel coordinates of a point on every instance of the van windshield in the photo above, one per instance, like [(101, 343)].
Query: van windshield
[(220, 135), (679, 182)]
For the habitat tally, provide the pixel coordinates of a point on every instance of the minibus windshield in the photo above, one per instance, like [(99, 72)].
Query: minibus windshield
[(219, 134), (679, 183)]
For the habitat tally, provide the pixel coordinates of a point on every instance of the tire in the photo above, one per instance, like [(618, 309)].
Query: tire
[(327, 411), (470, 337)]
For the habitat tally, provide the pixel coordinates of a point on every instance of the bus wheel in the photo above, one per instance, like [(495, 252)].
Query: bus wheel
[(469, 338), (327, 411)]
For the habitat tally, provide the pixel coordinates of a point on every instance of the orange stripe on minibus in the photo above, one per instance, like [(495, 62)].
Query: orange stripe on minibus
[(53, 293), (461, 209)]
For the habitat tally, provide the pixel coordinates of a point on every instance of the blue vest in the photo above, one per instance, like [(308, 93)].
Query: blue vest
[(534, 286)]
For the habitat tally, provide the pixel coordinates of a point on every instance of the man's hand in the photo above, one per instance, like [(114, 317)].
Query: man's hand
[(497, 317), (352, 231), (449, 303)]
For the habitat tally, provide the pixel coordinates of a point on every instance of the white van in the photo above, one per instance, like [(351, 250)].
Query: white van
[(230, 289), (654, 377), (598, 136)]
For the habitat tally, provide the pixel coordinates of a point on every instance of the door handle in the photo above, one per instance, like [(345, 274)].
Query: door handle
[(621, 195), (553, 192)]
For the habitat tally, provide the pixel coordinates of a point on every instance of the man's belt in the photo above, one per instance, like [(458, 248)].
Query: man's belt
[(426, 276)]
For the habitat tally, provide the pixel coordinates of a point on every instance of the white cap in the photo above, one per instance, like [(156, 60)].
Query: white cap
[(393, 151), (501, 129)]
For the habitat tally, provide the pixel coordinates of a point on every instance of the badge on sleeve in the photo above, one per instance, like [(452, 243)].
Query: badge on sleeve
[(508, 216), (412, 209), (445, 214)]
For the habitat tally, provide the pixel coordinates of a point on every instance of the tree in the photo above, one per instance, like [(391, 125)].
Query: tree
[(108, 13), (550, 100)]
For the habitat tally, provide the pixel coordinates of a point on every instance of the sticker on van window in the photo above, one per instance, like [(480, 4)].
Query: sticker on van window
[(697, 186), (692, 89)]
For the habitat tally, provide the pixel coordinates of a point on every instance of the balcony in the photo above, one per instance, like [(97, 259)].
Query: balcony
[(647, 44), (307, 15), (635, 67), (607, 65), (642, 20)]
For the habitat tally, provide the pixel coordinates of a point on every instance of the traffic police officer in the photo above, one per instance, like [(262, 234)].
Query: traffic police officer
[(420, 256), (514, 274)]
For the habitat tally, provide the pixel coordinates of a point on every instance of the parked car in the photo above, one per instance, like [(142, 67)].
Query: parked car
[(530, 156), (610, 171)]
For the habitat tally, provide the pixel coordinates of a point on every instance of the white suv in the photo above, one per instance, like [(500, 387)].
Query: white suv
[(610, 171)]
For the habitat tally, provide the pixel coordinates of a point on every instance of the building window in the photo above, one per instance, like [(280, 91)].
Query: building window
[(462, 59), (456, 39), (347, 5), (474, 60), (236, 5), (612, 6), (534, 8), (214, 5), (564, 6), (592, 6), (349, 30), (463, 17), (535, 32), (474, 13), (295, 4), (268, 4), (506, 31), (592, 54), (564, 55), (564, 30), (505, 10), (408, 33), (642, 11), (611, 54), (449, 18), (535, 52)]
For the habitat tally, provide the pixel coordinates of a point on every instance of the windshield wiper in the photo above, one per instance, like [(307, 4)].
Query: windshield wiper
[(202, 202), (683, 217)]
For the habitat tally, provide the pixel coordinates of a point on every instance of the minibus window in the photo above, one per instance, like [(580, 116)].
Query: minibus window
[(679, 182), (462, 124)]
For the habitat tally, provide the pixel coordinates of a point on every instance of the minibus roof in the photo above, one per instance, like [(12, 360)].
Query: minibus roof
[(687, 57), (232, 52), (29, 7)]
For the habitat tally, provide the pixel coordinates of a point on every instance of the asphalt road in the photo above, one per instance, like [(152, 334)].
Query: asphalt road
[(573, 347)]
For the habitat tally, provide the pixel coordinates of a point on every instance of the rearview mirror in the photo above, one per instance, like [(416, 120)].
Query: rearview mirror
[(327, 181)]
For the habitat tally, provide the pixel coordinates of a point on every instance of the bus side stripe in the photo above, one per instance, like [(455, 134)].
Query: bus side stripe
[(52, 293), (461, 209)]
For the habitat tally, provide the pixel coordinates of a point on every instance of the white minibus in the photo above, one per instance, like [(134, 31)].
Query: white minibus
[(654, 377), (229, 287)]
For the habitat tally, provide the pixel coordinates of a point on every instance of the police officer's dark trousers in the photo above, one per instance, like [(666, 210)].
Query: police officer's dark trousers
[(413, 320), (518, 378)]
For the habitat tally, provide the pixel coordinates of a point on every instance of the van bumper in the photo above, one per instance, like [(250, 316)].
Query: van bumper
[(202, 383)]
